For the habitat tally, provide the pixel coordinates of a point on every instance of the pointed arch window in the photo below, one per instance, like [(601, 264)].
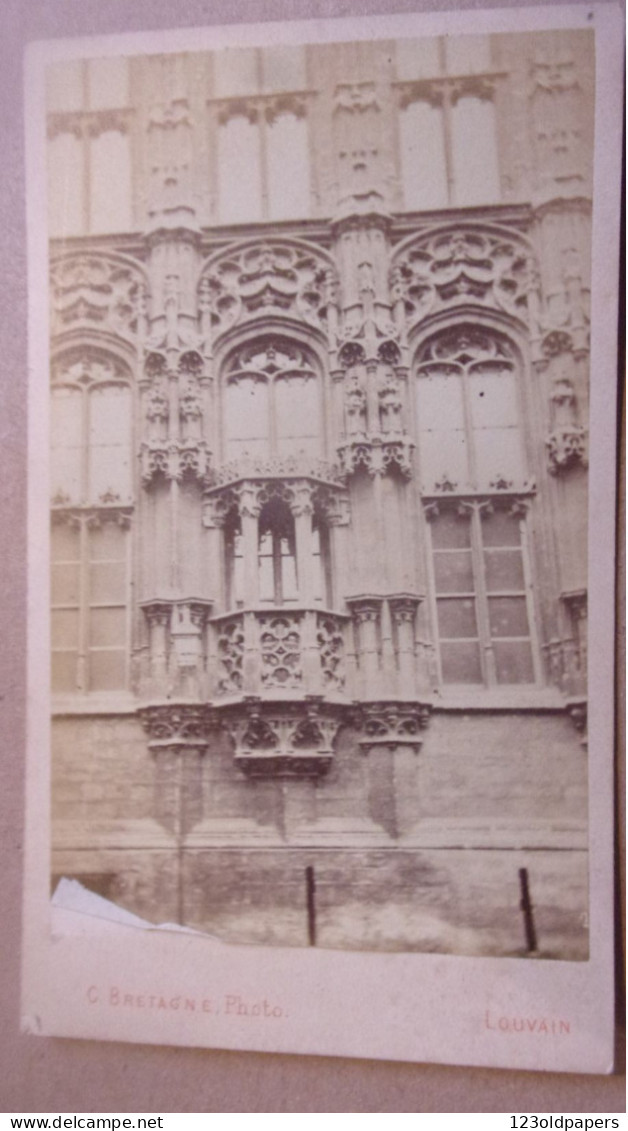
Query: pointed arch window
[(272, 402), (468, 410)]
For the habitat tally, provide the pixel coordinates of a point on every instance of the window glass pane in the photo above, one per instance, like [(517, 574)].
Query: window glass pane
[(498, 453), (288, 167), (239, 171), (474, 151), (107, 627), (235, 71), (265, 565), (289, 591), (460, 662), (467, 54), (67, 452), (64, 669), (417, 59), (65, 185), (107, 670), (493, 396), (65, 584), (504, 570), (283, 67), (110, 442), (501, 529), (246, 418), (513, 661), (110, 184), (64, 628), (297, 415), (108, 83), (107, 543), (64, 86), (451, 531), (439, 399), (443, 447), (423, 167), (107, 582), (453, 572), (508, 616), (456, 617), (64, 543)]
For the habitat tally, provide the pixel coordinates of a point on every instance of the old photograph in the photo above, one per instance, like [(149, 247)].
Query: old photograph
[(319, 366)]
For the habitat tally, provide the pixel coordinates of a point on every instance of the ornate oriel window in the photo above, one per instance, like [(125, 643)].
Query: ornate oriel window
[(262, 169), (272, 401), (447, 126), (92, 492), (88, 136)]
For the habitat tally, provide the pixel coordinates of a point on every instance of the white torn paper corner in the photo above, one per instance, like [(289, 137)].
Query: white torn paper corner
[(78, 911)]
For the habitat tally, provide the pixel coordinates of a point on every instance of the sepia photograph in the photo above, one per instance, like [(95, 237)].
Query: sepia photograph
[(318, 370)]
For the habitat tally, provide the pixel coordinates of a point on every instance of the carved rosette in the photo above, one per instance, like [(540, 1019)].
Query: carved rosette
[(391, 724), (285, 740)]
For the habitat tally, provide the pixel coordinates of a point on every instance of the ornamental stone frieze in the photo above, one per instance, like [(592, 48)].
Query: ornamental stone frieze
[(176, 460), (390, 724), (247, 496), (284, 739), (98, 291), (377, 455), (275, 650), (287, 278), (176, 725)]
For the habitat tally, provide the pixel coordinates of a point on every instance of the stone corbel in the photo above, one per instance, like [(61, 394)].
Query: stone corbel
[(284, 740), (566, 448), (389, 724)]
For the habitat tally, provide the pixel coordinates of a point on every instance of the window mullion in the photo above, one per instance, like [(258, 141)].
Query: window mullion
[(446, 106), (468, 428), (431, 588), (272, 423), (277, 564), (529, 596), (481, 596), (82, 672), (262, 126)]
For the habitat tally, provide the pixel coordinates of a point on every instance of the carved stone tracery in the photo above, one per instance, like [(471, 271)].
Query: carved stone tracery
[(287, 278), (446, 268)]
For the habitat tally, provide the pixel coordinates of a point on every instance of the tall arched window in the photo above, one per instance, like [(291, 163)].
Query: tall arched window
[(272, 401), (468, 409), (472, 462), (91, 478)]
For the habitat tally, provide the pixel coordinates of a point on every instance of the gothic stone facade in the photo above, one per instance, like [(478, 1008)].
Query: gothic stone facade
[(319, 372)]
